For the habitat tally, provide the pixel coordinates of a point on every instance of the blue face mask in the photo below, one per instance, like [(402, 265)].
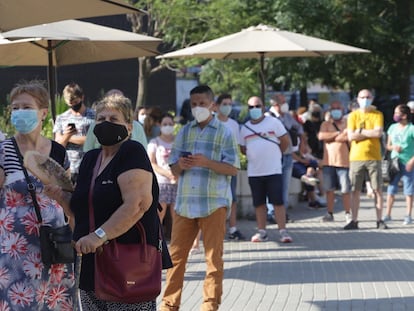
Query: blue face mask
[(256, 113), (24, 120), (225, 109), (364, 102), (336, 114)]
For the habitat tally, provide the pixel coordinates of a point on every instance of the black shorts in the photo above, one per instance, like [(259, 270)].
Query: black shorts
[(267, 187)]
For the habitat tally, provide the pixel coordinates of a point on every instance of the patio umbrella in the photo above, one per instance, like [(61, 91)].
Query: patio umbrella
[(263, 41), (71, 42), (22, 13)]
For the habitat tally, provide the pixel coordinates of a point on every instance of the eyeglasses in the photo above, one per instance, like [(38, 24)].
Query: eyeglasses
[(256, 106)]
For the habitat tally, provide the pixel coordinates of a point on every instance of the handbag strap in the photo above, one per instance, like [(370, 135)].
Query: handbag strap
[(260, 135), (94, 174), (138, 224), (30, 186), (337, 128)]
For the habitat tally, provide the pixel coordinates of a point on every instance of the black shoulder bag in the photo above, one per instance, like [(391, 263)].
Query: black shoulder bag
[(260, 135), (55, 243)]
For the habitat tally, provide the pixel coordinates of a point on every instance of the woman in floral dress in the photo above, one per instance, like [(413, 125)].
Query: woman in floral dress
[(25, 282)]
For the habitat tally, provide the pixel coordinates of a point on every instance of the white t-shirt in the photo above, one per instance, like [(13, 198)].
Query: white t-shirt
[(264, 157), (162, 151), (233, 126)]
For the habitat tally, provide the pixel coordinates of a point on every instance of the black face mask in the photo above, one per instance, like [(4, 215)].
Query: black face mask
[(109, 134), (77, 107)]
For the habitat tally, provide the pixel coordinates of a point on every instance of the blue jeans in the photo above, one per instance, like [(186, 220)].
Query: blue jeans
[(287, 166), (407, 179)]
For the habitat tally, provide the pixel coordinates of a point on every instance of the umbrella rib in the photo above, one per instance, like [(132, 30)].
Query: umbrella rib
[(60, 43), (124, 6)]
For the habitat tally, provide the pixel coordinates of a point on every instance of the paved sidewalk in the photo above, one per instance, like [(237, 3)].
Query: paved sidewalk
[(325, 268)]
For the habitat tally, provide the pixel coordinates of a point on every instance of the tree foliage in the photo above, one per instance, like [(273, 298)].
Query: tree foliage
[(383, 26)]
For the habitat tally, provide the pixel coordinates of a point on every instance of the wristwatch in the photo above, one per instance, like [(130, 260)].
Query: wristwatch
[(100, 233)]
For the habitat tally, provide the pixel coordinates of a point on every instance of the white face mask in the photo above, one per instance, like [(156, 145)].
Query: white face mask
[(167, 129), (141, 118), (200, 113), (284, 108)]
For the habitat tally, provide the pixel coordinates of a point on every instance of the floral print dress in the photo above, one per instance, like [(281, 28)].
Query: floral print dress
[(25, 283)]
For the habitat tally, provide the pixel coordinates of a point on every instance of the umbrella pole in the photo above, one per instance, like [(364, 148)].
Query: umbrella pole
[(262, 78), (51, 77)]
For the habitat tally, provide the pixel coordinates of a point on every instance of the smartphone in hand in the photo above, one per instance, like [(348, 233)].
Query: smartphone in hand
[(185, 154), (72, 126)]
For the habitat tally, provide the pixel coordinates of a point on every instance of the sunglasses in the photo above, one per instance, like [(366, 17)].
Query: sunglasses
[(256, 106)]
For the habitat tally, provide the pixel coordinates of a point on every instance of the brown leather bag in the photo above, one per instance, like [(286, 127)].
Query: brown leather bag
[(128, 273)]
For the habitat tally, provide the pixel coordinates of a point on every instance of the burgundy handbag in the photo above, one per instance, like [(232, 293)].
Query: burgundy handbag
[(128, 273)]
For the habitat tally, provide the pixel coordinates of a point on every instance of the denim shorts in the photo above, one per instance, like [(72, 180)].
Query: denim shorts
[(334, 177), (407, 179), (270, 187)]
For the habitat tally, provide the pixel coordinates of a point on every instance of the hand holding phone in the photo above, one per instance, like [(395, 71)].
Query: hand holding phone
[(72, 126), (185, 154)]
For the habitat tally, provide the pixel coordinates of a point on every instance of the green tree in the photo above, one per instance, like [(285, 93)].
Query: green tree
[(384, 26)]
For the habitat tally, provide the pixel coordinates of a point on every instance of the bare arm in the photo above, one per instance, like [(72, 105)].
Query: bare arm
[(362, 134), (62, 197), (136, 190), (391, 147), (158, 169), (284, 142), (65, 137), (78, 140), (326, 135), (374, 133)]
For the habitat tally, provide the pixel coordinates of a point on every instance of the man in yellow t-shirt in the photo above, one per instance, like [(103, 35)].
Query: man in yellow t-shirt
[(365, 128)]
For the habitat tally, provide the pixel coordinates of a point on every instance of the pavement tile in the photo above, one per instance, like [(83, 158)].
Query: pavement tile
[(325, 268)]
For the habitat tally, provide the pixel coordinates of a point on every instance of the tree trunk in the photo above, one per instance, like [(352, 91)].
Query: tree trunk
[(405, 13), (142, 82), (303, 97)]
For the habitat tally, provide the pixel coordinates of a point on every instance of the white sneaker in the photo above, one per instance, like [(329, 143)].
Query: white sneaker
[(407, 220), (348, 218), (312, 181), (259, 237), (285, 237)]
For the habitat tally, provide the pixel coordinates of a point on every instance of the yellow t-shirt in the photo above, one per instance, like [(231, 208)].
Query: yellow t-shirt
[(370, 148)]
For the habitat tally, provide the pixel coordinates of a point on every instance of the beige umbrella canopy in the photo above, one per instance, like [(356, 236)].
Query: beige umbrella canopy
[(22, 13), (71, 42), (263, 41)]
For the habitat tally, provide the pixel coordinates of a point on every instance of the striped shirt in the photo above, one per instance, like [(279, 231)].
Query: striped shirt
[(82, 123), (201, 191)]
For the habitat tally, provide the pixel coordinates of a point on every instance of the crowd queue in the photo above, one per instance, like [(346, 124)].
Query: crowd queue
[(179, 184)]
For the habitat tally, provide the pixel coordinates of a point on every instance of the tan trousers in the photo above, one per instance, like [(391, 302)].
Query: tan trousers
[(184, 231)]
